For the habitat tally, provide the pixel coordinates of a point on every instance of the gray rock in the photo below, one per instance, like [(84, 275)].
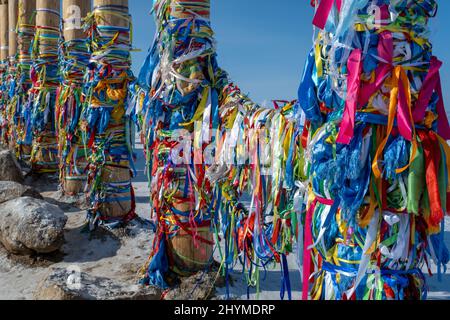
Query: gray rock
[(10, 190), (79, 201), (9, 167), (200, 286), (65, 284), (29, 225)]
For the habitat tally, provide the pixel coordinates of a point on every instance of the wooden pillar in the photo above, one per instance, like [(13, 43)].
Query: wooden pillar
[(26, 31), (187, 246), (4, 43), (44, 157), (117, 203), (74, 11), (12, 15), (186, 254), (72, 152), (48, 13), (3, 71), (11, 76), (111, 19), (25, 34)]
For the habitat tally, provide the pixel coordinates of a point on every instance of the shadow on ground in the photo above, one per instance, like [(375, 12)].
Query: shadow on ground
[(83, 247)]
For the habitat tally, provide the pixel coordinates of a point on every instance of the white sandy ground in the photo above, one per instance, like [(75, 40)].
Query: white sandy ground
[(121, 259)]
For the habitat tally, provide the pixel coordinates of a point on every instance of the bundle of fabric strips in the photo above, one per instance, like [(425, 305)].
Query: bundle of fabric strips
[(105, 121), (4, 102), (70, 98), (21, 103), (11, 103), (205, 142), (45, 78), (258, 154), (376, 146)]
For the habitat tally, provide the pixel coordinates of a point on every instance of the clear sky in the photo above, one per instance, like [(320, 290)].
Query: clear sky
[(263, 43)]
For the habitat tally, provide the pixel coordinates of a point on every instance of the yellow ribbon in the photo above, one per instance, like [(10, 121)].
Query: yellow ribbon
[(399, 75)]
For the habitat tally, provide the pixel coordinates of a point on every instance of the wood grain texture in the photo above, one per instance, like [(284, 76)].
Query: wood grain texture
[(12, 19), (4, 33), (74, 11)]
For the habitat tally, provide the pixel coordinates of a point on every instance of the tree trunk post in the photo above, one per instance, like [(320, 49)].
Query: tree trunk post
[(44, 74), (71, 96), (4, 43), (26, 22), (107, 125)]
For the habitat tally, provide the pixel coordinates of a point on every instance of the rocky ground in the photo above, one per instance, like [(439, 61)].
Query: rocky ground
[(106, 265), (90, 257)]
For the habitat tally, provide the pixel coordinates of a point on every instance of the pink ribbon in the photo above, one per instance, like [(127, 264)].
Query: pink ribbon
[(443, 125), (385, 52), (364, 93), (354, 67), (323, 12), (428, 87), (309, 242), (432, 83)]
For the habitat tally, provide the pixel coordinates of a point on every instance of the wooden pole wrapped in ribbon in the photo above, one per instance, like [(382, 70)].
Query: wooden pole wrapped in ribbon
[(12, 75), (4, 71), (23, 98), (4, 25), (184, 241), (105, 120), (12, 19), (45, 78), (71, 96)]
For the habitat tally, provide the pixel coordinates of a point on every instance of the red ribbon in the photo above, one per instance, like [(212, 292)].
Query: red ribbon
[(432, 153), (432, 83), (404, 116), (309, 242), (354, 67)]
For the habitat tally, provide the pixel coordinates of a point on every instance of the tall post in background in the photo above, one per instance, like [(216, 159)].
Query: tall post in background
[(25, 35), (71, 96), (11, 81), (44, 74), (12, 18), (4, 70), (105, 120), (4, 27)]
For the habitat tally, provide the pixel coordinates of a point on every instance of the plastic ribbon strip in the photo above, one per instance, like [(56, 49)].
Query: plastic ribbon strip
[(105, 123), (376, 149)]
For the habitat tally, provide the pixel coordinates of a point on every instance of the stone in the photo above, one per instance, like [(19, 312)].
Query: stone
[(200, 286), (9, 167), (10, 190), (71, 284), (29, 225)]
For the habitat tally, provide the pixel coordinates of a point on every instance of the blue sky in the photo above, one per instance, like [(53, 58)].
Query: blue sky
[(263, 43)]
